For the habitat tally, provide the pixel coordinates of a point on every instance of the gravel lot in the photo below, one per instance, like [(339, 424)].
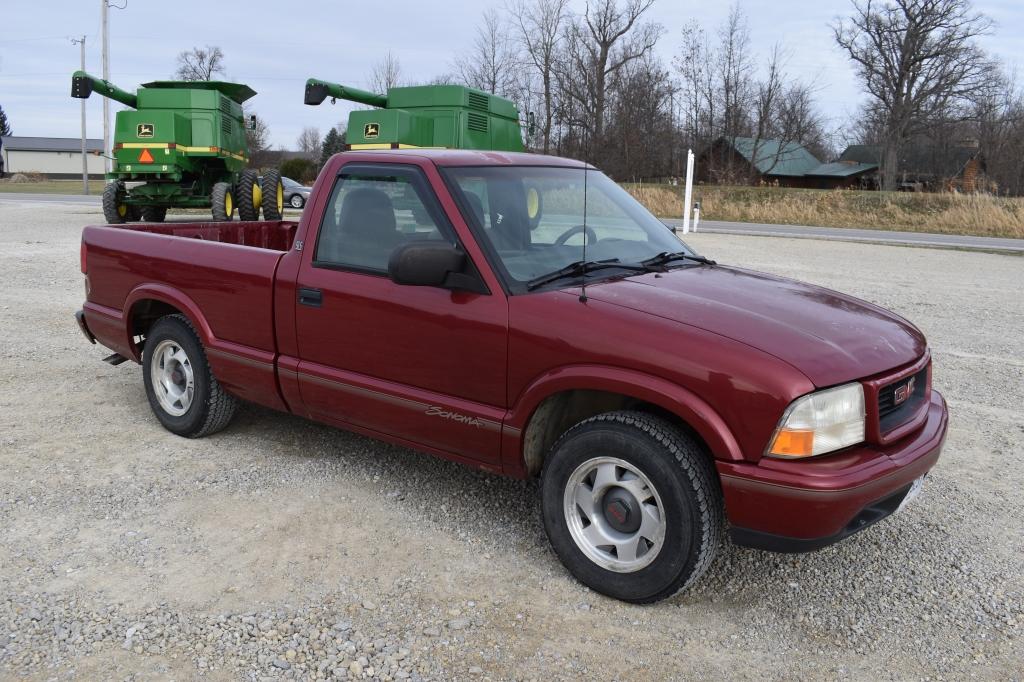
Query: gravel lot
[(285, 549)]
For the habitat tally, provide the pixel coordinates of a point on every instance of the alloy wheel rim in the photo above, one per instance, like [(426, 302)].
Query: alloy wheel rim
[(614, 514), (173, 378)]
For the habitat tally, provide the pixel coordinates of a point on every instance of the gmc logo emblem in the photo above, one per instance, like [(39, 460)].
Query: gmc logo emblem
[(903, 392)]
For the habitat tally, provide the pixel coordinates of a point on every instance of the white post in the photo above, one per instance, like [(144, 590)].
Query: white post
[(688, 193), (696, 215)]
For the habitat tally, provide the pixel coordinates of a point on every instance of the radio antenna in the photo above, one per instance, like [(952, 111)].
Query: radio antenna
[(586, 168)]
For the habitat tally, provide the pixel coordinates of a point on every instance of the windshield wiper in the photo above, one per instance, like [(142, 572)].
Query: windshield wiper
[(666, 257), (581, 268)]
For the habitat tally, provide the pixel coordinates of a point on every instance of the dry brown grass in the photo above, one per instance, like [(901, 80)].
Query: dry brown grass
[(971, 214)]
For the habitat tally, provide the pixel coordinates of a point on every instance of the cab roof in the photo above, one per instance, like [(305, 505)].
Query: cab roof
[(468, 157), (235, 91)]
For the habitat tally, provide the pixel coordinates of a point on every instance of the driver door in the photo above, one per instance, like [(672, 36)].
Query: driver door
[(422, 365)]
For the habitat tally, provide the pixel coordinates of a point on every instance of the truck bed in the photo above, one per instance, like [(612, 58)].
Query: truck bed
[(273, 235)]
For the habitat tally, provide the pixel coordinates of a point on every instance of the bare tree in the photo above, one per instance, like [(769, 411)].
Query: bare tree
[(490, 64), (916, 60), (386, 74), (597, 45), (540, 24), (309, 141), (200, 64)]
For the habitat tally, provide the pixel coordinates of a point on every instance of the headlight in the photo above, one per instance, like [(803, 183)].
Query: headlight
[(820, 422)]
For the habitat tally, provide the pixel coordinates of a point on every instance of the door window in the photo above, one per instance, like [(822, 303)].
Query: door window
[(371, 213)]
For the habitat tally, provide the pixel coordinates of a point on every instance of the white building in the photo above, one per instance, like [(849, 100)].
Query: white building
[(55, 157)]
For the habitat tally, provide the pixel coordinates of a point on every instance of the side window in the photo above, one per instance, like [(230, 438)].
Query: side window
[(370, 214)]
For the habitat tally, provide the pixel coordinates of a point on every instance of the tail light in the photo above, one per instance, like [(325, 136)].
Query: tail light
[(83, 255)]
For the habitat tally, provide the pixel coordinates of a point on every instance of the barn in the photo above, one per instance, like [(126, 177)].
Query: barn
[(55, 157)]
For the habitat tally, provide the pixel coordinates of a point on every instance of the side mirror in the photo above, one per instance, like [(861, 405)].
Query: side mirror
[(252, 122), (429, 264)]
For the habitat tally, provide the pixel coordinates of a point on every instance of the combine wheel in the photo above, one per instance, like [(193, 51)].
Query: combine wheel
[(114, 209), (249, 195), (223, 202), (134, 214), (273, 195), (154, 214)]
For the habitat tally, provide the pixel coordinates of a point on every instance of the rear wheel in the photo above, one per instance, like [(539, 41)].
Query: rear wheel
[(182, 391), (223, 201), (297, 201), (115, 210), (273, 195), (632, 506), (154, 214), (249, 195)]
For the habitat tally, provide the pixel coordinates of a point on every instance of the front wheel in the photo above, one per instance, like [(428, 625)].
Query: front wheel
[(223, 201), (182, 391), (631, 505), (249, 195), (272, 195)]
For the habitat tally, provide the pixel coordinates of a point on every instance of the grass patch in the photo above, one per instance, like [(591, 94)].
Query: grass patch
[(947, 213), (51, 186)]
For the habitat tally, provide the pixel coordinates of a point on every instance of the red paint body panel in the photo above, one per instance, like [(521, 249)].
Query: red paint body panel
[(819, 497), (460, 374)]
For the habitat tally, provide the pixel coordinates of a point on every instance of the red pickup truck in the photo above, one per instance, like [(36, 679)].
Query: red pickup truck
[(525, 315)]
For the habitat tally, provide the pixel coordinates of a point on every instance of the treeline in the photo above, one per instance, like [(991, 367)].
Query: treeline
[(599, 91)]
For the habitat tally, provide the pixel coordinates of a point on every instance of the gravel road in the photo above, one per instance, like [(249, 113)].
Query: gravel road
[(285, 549)]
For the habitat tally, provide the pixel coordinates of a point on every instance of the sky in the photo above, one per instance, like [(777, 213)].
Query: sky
[(274, 47)]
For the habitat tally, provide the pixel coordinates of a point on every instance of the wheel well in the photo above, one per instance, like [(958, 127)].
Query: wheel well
[(144, 314), (561, 411)]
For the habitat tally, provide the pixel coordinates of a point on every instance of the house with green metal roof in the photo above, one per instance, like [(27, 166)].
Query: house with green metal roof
[(749, 160)]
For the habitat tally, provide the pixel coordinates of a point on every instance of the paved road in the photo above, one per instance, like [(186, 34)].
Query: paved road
[(849, 234), (948, 241)]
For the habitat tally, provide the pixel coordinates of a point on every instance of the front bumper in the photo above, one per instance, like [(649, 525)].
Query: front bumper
[(799, 506)]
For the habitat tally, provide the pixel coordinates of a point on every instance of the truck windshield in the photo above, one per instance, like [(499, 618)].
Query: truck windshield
[(533, 219)]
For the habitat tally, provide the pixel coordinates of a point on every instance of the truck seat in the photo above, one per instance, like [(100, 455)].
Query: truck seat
[(367, 231)]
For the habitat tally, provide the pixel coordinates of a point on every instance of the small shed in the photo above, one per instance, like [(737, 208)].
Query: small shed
[(55, 157)]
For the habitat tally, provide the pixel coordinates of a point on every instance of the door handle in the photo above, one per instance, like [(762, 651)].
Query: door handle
[(311, 297)]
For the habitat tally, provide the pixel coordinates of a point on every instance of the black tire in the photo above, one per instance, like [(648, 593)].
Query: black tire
[(211, 408), (115, 211), (249, 195), (297, 201), (273, 195), (689, 501), (154, 214), (134, 213), (223, 202)]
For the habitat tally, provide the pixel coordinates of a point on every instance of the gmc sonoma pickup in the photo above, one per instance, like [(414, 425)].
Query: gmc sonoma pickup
[(525, 315)]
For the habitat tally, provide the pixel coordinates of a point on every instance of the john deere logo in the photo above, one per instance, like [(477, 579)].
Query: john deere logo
[(371, 130), (145, 130)]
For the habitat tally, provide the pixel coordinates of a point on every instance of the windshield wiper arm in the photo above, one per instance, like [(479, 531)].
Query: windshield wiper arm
[(666, 257), (580, 268)]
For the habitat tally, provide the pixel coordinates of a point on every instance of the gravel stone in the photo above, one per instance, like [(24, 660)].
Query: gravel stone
[(128, 553)]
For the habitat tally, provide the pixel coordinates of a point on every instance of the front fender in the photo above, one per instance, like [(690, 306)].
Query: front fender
[(671, 397)]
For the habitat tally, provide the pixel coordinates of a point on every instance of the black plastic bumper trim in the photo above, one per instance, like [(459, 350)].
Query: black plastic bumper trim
[(769, 542), (80, 317)]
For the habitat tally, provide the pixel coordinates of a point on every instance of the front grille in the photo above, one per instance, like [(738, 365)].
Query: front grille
[(892, 413)]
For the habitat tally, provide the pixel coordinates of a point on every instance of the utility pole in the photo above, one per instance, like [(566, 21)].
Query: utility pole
[(106, 77), (85, 159)]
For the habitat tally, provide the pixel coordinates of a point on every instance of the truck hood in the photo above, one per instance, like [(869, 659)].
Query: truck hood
[(830, 337)]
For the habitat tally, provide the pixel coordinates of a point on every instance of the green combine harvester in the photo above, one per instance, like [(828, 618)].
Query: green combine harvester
[(182, 145), (448, 116)]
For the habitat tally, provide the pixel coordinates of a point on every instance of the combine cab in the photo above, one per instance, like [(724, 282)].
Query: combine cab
[(182, 145), (449, 116)]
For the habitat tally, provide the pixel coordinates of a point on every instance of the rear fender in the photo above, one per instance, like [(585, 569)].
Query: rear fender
[(172, 297)]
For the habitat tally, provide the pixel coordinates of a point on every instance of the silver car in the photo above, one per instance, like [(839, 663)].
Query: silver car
[(295, 194)]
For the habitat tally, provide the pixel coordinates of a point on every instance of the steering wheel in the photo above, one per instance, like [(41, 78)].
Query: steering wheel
[(589, 235)]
